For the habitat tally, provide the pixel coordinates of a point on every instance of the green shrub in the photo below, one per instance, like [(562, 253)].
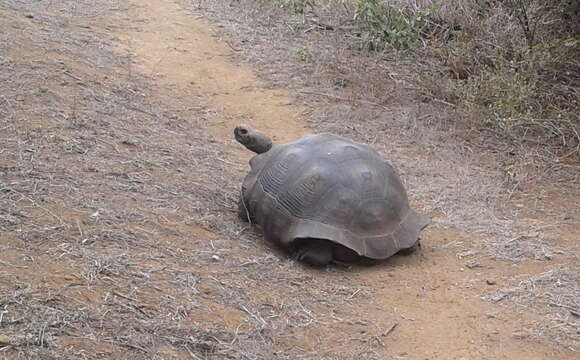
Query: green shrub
[(297, 6), (303, 53), (383, 23)]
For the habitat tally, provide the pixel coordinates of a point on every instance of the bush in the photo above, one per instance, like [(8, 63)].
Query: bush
[(384, 23), (512, 65)]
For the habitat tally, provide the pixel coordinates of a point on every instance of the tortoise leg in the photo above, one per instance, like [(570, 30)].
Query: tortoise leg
[(315, 252), (344, 255)]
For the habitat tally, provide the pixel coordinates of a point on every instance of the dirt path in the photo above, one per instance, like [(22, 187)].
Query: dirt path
[(117, 210), (181, 52), (426, 300)]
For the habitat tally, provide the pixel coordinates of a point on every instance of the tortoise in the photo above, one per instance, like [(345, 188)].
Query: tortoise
[(327, 199)]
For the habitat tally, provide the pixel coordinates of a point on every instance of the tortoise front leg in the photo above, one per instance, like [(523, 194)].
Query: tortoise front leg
[(315, 252)]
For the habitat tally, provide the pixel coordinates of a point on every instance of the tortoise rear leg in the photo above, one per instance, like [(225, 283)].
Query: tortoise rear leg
[(315, 252)]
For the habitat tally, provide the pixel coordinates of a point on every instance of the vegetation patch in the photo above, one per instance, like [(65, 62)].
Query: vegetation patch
[(509, 66)]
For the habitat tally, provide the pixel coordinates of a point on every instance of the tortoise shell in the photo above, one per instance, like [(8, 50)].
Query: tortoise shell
[(327, 187)]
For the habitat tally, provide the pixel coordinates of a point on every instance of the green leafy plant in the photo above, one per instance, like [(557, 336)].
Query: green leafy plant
[(390, 24), (298, 6), (304, 54), (296, 24)]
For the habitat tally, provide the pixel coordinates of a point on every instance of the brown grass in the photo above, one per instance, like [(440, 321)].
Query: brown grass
[(554, 294)]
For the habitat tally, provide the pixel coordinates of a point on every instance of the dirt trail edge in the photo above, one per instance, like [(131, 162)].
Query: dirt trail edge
[(422, 306), (180, 51)]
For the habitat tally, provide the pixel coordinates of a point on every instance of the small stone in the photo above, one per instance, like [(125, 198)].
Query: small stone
[(215, 258), (130, 142), (5, 340), (498, 298), (490, 282)]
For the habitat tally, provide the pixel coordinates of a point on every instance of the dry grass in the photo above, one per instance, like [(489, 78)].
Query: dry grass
[(523, 85), (553, 294)]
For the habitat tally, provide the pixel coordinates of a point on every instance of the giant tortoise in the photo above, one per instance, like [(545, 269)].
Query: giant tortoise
[(327, 198)]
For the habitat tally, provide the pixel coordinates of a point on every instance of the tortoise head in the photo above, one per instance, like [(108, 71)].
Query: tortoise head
[(253, 140)]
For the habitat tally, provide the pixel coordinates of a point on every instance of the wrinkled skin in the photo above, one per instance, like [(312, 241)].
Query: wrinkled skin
[(253, 140)]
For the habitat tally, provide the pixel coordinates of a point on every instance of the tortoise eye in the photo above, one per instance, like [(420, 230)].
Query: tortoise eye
[(243, 131)]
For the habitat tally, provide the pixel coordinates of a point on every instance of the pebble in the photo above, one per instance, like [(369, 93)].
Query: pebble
[(5, 340)]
